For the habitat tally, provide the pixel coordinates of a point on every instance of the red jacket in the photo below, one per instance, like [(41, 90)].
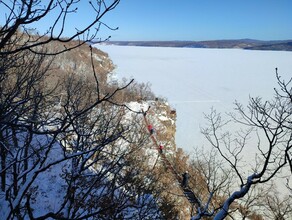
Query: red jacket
[(150, 127)]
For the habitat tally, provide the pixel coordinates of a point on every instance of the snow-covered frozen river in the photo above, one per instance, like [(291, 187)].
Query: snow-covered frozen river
[(194, 80)]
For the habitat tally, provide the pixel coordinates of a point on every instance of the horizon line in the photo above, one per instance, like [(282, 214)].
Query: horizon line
[(235, 39)]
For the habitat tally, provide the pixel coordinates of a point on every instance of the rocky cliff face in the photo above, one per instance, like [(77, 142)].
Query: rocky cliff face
[(80, 62), (174, 204), (171, 163)]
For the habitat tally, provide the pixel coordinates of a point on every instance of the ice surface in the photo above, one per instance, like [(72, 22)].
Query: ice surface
[(193, 80)]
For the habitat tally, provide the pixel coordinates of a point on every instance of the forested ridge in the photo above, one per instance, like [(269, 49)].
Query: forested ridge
[(247, 44)]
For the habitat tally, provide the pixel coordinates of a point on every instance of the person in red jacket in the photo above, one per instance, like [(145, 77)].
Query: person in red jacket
[(150, 129), (161, 148)]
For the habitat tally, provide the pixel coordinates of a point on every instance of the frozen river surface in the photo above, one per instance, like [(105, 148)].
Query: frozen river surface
[(194, 80)]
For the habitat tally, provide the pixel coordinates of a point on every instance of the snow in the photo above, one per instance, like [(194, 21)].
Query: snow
[(193, 80), (49, 187), (163, 118), (135, 106), (48, 192)]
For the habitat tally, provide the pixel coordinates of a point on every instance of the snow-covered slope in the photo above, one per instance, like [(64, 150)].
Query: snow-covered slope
[(47, 185)]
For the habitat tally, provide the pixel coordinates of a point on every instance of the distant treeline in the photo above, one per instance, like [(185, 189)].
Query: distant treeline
[(250, 44)]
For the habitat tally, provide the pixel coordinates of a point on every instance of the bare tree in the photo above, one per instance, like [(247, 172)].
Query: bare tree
[(75, 125), (211, 182), (82, 131), (20, 19), (270, 121), (276, 207)]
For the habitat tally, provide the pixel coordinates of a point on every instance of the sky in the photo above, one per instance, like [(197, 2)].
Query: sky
[(201, 19), (193, 20)]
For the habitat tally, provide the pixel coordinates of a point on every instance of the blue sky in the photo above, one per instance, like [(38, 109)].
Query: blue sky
[(201, 19), (188, 20)]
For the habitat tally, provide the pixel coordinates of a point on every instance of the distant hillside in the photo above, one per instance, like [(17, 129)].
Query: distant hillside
[(249, 44), (285, 46)]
